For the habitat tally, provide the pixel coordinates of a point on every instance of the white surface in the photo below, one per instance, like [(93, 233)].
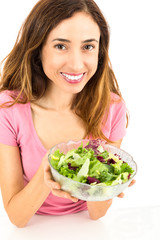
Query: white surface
[(123, 224), (134, 53), (136, 223)]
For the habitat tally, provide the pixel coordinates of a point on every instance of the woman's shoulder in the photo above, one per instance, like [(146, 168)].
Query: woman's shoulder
[(115, 124), (12, 115), (6, 107), (5, 96), (117, 104), (115, 97)]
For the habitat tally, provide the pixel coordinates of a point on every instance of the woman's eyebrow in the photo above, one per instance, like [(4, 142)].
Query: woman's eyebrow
[(61, 40), (90, 40), (66, 40)]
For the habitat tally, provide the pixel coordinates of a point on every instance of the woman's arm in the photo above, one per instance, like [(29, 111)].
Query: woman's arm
[(97, 210), (22, 202)]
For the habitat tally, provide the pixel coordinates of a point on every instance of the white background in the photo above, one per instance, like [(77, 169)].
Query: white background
[(135, 56)]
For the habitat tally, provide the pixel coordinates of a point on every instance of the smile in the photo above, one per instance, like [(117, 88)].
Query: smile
[(73, 78)]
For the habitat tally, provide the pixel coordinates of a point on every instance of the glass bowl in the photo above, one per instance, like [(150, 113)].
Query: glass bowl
[(85, 191)]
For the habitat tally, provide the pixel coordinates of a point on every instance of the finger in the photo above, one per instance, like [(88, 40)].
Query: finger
[(53, 185), (47, 173), (121, 195), (45, 159), (49, 179), (63, 194), (46, 167), (132, 183)]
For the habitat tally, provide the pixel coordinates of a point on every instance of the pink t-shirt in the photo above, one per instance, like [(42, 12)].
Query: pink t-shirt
[(17, 129)]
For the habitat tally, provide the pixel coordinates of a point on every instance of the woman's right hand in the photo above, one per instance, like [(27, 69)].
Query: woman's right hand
[(54, 186)]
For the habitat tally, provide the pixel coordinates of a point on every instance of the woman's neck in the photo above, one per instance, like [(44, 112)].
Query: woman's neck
[(56, 99)]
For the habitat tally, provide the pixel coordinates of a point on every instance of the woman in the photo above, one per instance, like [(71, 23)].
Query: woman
[(56, 85)]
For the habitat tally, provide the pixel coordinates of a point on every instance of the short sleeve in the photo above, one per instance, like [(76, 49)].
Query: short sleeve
[(7, 129), (118, 121)]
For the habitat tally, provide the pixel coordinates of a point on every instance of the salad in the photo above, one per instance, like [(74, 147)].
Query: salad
[(92, 165)]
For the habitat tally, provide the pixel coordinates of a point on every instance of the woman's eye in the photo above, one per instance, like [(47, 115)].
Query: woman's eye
[(60, 47), (88, 47)]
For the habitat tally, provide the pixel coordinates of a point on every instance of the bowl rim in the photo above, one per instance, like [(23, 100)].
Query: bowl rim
[(96, 185)]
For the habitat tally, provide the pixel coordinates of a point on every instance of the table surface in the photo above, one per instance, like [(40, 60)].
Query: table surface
[(140, 223)]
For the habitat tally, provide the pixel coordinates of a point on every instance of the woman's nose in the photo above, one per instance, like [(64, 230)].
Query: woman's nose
[(75, 61)]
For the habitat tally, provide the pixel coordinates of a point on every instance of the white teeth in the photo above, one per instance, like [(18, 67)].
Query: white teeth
[(71, 77)]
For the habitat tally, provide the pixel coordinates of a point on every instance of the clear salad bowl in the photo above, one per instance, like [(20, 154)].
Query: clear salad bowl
[(86, 191)]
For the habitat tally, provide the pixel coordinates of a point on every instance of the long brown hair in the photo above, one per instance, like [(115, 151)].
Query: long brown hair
[(23, 72)]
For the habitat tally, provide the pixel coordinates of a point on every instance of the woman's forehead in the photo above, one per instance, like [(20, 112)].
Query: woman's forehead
[(80, 25)]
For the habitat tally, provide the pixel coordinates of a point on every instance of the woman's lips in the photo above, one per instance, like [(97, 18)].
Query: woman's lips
[(72, 77)]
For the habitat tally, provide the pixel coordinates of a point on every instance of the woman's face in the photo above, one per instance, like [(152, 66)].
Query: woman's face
[(70, 54)]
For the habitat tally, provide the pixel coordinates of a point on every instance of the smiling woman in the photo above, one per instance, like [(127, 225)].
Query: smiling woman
[(57, 85)]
